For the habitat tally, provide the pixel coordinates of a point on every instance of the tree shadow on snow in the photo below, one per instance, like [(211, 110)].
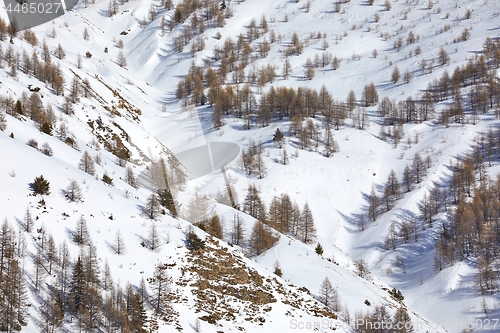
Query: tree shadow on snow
[(111, 246), (71, 233)]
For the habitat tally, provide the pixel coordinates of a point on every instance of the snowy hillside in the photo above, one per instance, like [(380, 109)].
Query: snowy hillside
[(107, 102)]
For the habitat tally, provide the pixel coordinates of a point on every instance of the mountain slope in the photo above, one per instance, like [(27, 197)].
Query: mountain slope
[(137, 104)]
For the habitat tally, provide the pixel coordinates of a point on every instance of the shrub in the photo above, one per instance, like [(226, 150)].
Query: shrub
[(108, 180), (32, 143)]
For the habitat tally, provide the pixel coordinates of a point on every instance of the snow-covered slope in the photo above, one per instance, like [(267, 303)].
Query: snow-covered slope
[(137, 104)]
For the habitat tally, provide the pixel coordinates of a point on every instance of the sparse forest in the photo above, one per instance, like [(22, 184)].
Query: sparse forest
[(88, 107)]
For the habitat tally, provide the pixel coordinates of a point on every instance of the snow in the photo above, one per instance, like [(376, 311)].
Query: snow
[(335, 188)]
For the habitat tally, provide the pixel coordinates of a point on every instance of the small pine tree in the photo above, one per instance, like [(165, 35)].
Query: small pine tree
[(309, 72), (397, 294), (51, 312), (193, 242), (160, 285), (13, 303), (18, 107), (306, 228), (130, 178), (154, 241), (79, 61), (85, 34), (285, 156), (387, 5), (278, 138), (167, 201), (319, 249), (484, 307), (87, 164), (237, 233), (418, 168), (260, 166), (152, 209), (40, 186), (287, 68), (393, 185), (121, 60), (74, 90), (260, 239), (108, 180), (330, 145), (395, 75), (46, 149), (107, 280), (77, 286), (3, 122), (67, 106), (361, 268), (326, 292), (137, 314), (253, 204), (402, 319), (59, 52), (215, 227), (373, 203), (443, 57), (73, 191), (277, 269), (28, 220), (119, 243), (81, 234), (407, 178)]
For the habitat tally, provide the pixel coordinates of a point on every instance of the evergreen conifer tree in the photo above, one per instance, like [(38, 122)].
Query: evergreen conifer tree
[(215, 227), (373, 203), (152, 209), (81, 235), (330, 145), (402, 321), (40, 186), (130, 177), (73, 191), (193, 242), (326, 292), (160, 286), (3, 122), (166, 200), (136, 314), (307, 230), (77, 286), (238, 232), (28, 220), (119, 243), (87, 164), (253, 204), (278, 138), (319, 249), (260, 239), (154, 241)]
